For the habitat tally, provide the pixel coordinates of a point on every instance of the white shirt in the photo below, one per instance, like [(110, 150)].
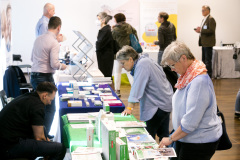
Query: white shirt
[(204, 19)]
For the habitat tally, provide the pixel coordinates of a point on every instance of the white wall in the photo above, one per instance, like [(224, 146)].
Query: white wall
[(81, 15), (225, 12)]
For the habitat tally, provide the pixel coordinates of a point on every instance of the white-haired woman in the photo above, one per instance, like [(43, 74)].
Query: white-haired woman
[(194, 116), (104, 45), (151, 88)]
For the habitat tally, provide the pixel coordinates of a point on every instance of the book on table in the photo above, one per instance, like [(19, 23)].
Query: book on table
[(108, 139), (155, 153), (79, 117), (131, 131), (121, 149), (143, 138), (87, 153), (125, 124)]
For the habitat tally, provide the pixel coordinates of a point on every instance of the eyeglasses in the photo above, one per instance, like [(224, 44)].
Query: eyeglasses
[(172, 66), (122, 63)]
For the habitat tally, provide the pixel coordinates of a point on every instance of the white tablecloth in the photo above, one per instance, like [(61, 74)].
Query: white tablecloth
[(223, 63), (153, 54)]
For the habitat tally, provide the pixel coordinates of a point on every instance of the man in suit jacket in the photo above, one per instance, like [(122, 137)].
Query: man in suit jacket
[(207, 37)]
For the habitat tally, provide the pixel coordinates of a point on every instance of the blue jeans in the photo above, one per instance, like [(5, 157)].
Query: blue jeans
[(237, 104), (159, 124), (207, 59), (37, 78), (31, 149), (160, 53)]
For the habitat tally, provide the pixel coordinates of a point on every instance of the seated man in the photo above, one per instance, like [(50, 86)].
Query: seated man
[(22, 126)]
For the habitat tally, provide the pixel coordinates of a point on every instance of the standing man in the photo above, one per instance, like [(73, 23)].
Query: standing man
[(207, 37), (45, 61), (166, 34), (42, 25), (22, 126)]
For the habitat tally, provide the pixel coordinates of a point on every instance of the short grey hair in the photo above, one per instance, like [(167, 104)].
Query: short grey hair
[(207, 7), (105, 16), (126, 52), (174, 51)]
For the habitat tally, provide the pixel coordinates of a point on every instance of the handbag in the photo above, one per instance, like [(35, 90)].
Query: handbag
[(135, 44), (224, 141)]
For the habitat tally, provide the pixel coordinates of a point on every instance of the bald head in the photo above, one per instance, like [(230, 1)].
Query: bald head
[(48, 10)]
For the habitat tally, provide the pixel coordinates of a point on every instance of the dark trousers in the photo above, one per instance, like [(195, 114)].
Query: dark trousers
[(159, 124), (207, 59), (37, 78), (160, 53), (31, 149), (196, 151)]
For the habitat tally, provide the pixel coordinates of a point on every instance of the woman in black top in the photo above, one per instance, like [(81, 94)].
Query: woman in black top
[(104, 45)]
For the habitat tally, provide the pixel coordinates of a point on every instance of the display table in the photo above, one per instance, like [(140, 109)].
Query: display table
[(76, 137), (223, 63), (60, 76), (153, 53), (64, 109)]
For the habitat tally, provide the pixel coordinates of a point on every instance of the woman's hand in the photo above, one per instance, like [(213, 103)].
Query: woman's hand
[(165, 142), (126, 112)]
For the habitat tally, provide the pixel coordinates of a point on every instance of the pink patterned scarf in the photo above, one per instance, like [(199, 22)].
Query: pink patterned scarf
[(195, 69)]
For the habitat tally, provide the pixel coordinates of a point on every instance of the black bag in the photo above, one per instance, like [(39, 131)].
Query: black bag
[(171, 76), (224, 141)]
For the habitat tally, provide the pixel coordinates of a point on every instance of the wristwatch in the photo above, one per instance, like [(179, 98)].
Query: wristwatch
[(130, 108), (170, 138)]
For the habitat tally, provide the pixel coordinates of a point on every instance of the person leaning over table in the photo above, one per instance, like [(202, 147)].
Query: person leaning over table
[(194, 116), (151, 88)]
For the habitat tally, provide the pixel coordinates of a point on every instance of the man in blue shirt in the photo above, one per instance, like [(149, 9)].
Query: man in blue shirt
[(42, 25), (151, 88)]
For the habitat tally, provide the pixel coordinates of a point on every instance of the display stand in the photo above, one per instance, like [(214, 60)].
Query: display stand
[(83, 46)]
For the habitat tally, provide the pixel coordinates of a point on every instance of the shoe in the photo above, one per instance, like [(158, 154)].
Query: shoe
[(118, 93), (237, 115), (50, 136)]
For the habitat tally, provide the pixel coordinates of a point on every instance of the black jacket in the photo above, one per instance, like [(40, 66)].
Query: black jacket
[(104, 50), (166, 34)]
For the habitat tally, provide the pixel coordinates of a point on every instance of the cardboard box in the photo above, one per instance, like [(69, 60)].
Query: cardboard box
[(108, 140)]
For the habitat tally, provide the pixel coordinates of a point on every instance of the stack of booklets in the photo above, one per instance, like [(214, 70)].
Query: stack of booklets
[(126, 124), (104, 80), (86, 153), (108, 139), (132, 131), (80, 117), (155, 153), (140, 138)]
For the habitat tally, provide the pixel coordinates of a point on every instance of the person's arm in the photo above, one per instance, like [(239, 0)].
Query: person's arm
[(210, 28), (141, 78), (38, 132), (54, 58), (43, 28), (160, 38), (178, 134)]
